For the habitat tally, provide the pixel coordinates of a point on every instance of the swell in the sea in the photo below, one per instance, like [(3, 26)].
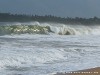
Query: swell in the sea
[(47, 28)]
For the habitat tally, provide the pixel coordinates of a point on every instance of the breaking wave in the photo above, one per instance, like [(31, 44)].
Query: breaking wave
[(47, 28), (18, 29)]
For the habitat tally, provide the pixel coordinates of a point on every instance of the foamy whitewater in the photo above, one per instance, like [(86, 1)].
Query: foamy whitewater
[(35, 48)]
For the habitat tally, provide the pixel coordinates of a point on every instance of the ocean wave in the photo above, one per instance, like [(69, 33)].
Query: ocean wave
[(22, 29), (47, 28)]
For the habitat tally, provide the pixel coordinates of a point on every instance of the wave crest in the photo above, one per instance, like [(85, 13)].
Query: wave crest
[(47, 28)]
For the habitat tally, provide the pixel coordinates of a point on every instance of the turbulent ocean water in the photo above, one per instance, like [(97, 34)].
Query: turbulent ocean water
[(34, 48)]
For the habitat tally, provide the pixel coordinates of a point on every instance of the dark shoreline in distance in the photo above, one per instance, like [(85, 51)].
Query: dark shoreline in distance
[(7, 17), (92, 71)]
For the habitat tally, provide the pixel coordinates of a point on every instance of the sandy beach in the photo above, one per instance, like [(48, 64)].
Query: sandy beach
[(92, 71)]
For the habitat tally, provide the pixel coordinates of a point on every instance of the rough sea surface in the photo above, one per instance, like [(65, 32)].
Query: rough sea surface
[(44, 54)]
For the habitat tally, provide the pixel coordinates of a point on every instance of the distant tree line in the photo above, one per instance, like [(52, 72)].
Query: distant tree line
[(7, 17)]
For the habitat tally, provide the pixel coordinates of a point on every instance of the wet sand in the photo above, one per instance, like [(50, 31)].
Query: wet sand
[(92, 71)]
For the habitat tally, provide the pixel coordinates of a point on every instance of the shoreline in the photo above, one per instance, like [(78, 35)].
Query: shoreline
[(91, 71)]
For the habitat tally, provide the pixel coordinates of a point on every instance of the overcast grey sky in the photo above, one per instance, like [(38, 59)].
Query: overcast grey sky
[(63, 8)]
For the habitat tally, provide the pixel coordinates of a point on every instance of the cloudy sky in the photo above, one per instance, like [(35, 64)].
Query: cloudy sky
[(63, 8)]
